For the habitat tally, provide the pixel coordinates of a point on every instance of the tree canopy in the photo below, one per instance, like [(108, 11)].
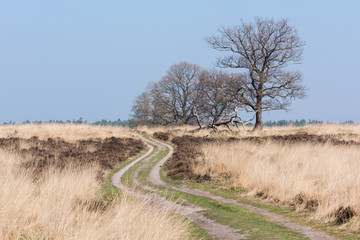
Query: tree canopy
[(189, 94), (264, 49)]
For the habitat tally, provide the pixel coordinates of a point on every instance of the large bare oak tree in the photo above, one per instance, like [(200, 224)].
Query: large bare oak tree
[(264, 49)]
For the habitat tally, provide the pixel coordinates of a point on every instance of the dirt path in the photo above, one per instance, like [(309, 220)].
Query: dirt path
[(155, 178), (214, 229), (193, 213)]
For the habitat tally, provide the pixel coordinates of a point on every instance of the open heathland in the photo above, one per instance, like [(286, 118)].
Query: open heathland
[(67, 132), (52, 183), (314, 170)]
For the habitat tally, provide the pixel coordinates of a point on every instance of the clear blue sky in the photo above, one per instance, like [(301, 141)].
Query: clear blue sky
[(69, 59)]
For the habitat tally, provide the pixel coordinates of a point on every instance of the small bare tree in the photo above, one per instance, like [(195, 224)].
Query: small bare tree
[(142, 109), (264, 48)]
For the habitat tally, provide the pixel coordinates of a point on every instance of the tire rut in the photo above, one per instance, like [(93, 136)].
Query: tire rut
[(155, 178), (214, 229)]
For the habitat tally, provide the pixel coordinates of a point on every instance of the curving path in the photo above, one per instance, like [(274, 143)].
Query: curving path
[(214, 229)]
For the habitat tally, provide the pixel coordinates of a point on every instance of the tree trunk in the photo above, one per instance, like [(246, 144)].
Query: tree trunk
[(259, 92), (258, 121)]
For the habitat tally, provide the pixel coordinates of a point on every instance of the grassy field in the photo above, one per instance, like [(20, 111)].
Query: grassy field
[(253, 225), (67, 132), (53, 176), (323, 176), (343, 131), (315, 169), (66, 201)]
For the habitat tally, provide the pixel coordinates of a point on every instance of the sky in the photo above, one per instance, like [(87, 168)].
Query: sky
[(62, 60)]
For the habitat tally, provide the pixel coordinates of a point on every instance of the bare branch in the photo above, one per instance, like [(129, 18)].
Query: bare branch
[(264, 49)]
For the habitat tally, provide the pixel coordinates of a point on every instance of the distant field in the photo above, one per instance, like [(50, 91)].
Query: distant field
[(342, 131), (51, 180), (67, 132)]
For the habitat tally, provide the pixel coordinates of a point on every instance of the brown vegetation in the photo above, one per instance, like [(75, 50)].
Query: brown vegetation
[(163, 136), (67, 132), (325, 175), (63, 199), (314, 172), (179, 165), (301, 138), (57, 153)]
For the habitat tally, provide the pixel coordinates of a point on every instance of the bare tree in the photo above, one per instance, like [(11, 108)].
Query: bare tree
[(264, 48), (142, 109), (217, 104), (174, 96), (164, 107), (213, 102)]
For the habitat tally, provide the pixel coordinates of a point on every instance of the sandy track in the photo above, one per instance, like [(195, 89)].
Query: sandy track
[(215, 230), (156, 179)]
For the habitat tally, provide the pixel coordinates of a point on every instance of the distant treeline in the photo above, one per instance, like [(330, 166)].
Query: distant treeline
[(123, 123), (298, 123), (132, 123)]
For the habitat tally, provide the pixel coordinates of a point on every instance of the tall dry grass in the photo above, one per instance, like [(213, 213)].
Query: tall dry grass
[(176, 130), (341, 131), (325, 174), (66, 205), (68, 132)]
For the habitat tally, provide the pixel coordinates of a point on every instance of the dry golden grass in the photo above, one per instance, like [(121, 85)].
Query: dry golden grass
[(344, 132), (177, 130), (60, 204), (57, 207), (68, 132), (326, 173)]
